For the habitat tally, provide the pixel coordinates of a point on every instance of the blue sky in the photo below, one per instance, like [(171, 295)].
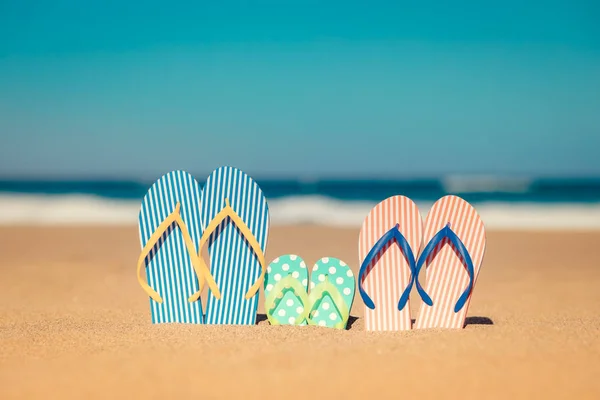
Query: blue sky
[(136, 89)]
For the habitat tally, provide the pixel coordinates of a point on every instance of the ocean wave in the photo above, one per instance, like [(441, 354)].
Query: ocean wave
[(486, 184), (89, 210)]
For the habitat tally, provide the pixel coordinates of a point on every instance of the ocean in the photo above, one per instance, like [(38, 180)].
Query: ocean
[(504, 203)]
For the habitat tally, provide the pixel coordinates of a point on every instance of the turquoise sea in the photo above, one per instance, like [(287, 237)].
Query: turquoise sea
[(474, 190), (503, 203)]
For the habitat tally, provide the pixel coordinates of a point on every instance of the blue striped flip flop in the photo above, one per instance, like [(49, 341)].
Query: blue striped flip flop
[(235, 216), (332, 288), (286, 291), (170, 229)]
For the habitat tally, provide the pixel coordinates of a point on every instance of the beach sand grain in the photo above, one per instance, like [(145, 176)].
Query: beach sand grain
[(74, 323)]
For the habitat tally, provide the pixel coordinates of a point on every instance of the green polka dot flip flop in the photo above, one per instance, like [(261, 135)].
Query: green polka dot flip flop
[(286, 286), (331, 295)]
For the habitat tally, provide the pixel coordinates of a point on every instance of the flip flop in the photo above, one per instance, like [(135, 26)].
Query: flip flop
[(388, 241), (331, 294), (170, 230), (286, 291), (455, 238), (235, 217)]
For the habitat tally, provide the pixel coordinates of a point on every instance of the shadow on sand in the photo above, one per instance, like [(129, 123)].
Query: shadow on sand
[(351, 320), (472, 321), (260, 318), (478, 321)]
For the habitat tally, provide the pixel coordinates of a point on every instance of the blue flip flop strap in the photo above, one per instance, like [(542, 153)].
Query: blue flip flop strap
[(448, 233), (390, 235)]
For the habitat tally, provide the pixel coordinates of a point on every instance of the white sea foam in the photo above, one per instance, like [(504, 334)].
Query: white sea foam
[(89, 210), (66, 210), (486, 184)]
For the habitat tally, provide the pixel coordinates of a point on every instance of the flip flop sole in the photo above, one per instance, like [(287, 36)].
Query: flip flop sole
[(290, 306), (233, 263), (337, 272), (447, 277), (169, 269), (387, 276)]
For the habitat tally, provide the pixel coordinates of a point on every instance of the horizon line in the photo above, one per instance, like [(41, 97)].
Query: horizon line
[(377, 177)]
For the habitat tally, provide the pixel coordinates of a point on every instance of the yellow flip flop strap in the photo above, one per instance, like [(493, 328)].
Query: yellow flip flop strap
[(272, 301), (317, 294), (189, 244), (227, 211)]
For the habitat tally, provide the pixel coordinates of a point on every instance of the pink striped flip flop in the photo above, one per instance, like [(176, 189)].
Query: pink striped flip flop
[(452, 270), (389, 238)]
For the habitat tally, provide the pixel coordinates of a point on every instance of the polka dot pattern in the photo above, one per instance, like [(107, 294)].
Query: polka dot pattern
[(325, 313), (289, 306)]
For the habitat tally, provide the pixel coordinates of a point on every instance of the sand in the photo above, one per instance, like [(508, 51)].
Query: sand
[(75, 324)]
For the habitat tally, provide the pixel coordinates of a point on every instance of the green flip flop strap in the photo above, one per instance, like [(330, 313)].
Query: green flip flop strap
[(272, 301), (319, 291)]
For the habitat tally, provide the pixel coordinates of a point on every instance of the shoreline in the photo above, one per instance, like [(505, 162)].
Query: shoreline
[(33, 210)]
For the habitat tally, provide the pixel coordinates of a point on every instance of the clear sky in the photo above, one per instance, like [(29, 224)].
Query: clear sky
[(301, 88)]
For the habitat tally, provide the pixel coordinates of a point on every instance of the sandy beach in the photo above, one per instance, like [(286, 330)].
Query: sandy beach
[(75, 324)]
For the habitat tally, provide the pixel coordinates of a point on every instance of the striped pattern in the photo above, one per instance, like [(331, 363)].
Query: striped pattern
[(232, 261), (447, 277), (169, 269), (387, 276)]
